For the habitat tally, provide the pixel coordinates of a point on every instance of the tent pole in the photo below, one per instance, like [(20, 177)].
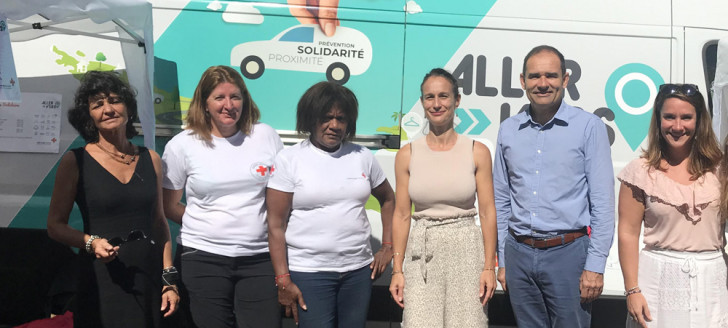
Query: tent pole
[(139, 39), (72, 32)]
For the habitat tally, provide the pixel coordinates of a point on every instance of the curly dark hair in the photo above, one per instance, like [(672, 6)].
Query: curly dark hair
[(321, 98), (95, 83)]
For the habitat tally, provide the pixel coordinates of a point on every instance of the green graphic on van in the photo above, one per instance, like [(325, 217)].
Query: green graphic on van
[(629, 92), (78, 65), (394, 129)]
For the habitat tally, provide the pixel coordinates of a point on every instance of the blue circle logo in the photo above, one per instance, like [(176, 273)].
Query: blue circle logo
[(629, 93), (632, 87)]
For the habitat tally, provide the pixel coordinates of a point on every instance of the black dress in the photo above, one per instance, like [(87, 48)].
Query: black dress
[(124, 292)]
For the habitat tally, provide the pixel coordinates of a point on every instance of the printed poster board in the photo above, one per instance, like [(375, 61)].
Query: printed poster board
[(31, 126)]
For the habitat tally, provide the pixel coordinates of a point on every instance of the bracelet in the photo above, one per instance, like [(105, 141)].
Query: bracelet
[(396, 272), (635, 291), (386, 243), (88, 243), (170, 276), (279, 277), (396, 253), (172, 288), (488, 269)]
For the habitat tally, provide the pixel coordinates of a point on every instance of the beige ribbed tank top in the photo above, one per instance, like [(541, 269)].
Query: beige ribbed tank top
[(442, 183)]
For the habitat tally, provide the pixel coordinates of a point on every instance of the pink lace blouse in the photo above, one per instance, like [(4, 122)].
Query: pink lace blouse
[(677, 217)]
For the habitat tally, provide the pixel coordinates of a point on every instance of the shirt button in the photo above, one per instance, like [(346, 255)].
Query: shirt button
[(533, 214), (535, 193), (536, 171), (538, 151)]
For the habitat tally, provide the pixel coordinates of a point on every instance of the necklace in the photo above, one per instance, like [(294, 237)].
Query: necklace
[(121, 158)]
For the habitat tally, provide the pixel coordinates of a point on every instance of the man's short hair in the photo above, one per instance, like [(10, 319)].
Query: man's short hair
[(543, 48)]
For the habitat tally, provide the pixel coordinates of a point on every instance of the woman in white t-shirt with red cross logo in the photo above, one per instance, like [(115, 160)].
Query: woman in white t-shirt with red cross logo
[(222, 162)]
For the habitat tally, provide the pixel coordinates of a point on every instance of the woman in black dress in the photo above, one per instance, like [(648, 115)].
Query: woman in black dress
[(125, 248)]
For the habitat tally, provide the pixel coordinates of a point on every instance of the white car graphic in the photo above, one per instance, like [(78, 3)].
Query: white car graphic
[(306, 48)]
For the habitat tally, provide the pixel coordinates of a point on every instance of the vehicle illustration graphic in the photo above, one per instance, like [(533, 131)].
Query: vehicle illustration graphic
[(306, 48)]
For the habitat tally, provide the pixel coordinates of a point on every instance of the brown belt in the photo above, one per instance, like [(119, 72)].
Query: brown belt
[(548, 242)]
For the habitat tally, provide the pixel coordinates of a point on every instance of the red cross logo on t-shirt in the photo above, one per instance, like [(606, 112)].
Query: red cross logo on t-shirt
[(262, 169)]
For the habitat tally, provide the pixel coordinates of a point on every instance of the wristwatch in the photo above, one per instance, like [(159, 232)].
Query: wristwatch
[(170, 276)]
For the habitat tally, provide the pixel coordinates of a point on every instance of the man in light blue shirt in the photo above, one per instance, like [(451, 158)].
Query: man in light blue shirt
[(553, 179)]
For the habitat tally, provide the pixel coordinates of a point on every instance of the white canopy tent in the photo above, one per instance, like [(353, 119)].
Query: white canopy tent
[(130, 19)]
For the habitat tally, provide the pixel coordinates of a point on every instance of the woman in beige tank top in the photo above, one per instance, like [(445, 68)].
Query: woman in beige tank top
[(446, 260)]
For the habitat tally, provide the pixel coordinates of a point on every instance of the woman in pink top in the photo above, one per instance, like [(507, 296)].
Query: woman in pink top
[(679, 277)]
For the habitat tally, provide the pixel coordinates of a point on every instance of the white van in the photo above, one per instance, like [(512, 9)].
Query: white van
[(617, 52)]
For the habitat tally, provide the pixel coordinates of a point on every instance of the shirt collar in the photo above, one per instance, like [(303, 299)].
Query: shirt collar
[(561, 117)]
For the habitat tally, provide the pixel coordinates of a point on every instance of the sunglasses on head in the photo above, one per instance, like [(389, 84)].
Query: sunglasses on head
[(686, 89), (133, 235)]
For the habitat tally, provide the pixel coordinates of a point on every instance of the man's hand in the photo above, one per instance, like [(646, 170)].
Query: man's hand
[(590, 285), (502, 277)]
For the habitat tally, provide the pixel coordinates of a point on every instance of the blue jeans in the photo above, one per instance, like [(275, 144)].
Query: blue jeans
[(334, 299), (544, 284)]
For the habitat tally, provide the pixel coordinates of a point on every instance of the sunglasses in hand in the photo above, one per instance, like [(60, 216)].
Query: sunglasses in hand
[(133, 236)]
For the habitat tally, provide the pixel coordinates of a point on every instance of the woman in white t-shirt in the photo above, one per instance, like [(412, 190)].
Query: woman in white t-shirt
[(222, 161), (318, 229)]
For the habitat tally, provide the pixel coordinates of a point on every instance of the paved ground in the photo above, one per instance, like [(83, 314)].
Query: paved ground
[(288, 323), (607, 312)]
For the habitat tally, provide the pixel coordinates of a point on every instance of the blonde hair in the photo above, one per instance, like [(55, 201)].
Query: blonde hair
[(198, 119)]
